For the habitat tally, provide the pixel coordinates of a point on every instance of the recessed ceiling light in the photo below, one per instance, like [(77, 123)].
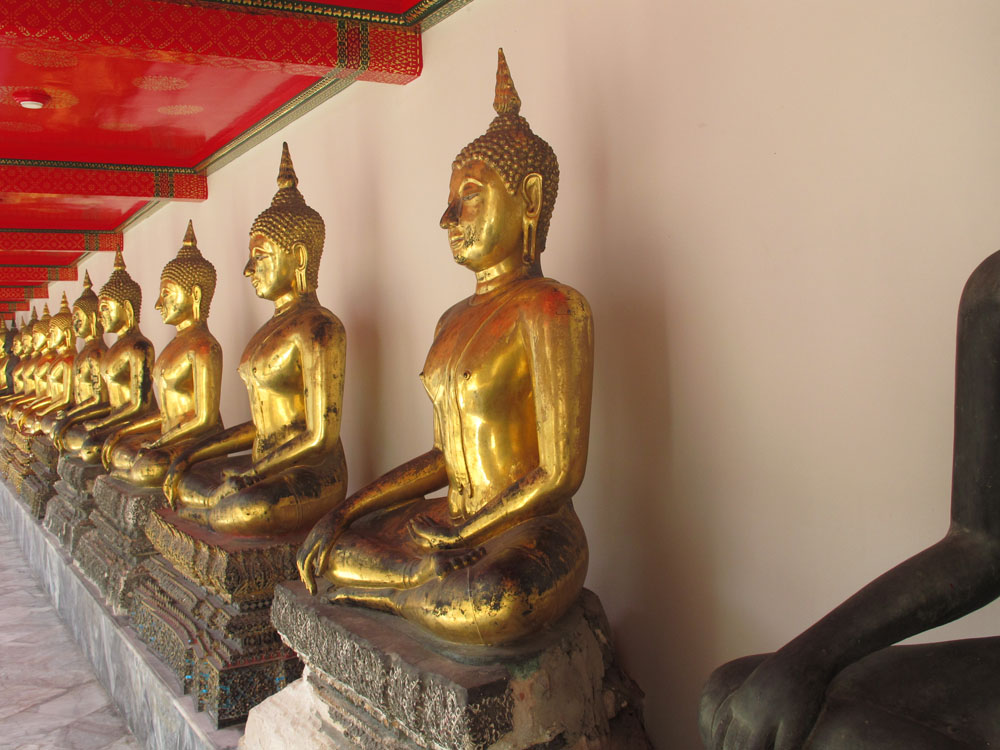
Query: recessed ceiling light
[(31, 98)]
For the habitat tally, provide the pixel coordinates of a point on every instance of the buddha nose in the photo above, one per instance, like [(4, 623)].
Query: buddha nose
[(248, 268), (450, 216)]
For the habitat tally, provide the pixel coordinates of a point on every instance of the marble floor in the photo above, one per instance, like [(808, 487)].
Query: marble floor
[(49, 697)]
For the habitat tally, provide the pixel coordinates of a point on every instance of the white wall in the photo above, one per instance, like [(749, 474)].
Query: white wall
[(772, 207)]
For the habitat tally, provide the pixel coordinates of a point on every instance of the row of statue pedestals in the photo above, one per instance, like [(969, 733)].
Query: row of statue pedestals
[(235, 553)]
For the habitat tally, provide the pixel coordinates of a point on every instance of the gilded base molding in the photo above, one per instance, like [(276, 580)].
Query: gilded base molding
[(203, 605), (112, 550), (67, 515)]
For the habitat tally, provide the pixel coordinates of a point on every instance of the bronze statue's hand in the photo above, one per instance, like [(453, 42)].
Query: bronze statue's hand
[(314, 554), (89, 425), (429, 533), (775, 708)]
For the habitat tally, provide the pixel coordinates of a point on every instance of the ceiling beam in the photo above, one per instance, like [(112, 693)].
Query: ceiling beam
[(21, 177), (21, 293), (36, 274), (199, 35), (55, 242), (12, 307)]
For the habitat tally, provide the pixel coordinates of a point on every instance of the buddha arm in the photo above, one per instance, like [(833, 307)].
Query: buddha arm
[(558, 332), (232, 440), (406, 483), (206, 369), (65, 373), (140, 386), (784, 695), (322, 362)]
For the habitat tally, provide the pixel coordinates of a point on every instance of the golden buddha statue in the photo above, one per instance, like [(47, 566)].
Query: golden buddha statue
[(59, 381), (34, 340), (187, 375), (509, 374), (89, 388), (22, 355), (293, 368), (126, 368), (7, 357)]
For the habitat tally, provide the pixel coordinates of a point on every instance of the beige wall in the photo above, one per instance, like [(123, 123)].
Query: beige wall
[(772, 207)]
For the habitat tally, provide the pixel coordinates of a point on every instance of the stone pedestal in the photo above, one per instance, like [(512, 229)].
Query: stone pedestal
[(376, 681), (134, 678), (18, 457), (68, 512), (204, 607), (38, 487), (112, 550)]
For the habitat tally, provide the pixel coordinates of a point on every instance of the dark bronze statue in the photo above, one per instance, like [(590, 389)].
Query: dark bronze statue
[(838, 685)]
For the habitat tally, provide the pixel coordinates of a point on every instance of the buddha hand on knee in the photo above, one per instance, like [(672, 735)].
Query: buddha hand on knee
[(775, 707), (178, 468), (314, 554)]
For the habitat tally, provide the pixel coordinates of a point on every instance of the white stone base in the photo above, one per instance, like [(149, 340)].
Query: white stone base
[(296, 717), (139, 685)]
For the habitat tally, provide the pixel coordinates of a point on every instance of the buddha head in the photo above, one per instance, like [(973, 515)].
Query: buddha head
[(286, 241), (15, 340), (120, 299), (503, 187), (187, 284), (40, 331), (86, 315), (61, 326), (27, 340)]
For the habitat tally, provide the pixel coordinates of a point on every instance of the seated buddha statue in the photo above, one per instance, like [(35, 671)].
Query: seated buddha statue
[(8, 358), (89, 388), (22, 353), (509, 374), (187, 375), (293, 368), (126, 368), (37, 371), (837, 685), (59, 388)]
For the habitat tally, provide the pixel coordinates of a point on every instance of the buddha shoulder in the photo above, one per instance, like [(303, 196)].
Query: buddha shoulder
[(546, 298), (315, 323)]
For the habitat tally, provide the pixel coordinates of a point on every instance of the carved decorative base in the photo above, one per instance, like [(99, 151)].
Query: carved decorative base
[(204, 605), (376, 681), (37, 488), (68, 512), (17, 458), (112, 551)]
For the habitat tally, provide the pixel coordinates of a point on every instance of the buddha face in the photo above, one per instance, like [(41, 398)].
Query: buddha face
[(484, 221), (81, 322), (39, 339), (271, 267), (57, 336), (15, 346), (112, 314), (175, 303)]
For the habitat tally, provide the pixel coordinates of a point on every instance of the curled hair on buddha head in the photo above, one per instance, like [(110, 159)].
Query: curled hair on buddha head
[(514, 151), (190, 269), (122, 288), (41, 325), (87, 301), (64, 318), (289, 220)]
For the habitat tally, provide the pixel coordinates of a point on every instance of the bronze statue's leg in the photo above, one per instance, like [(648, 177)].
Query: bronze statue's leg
[(862, 726), (90, 449)]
